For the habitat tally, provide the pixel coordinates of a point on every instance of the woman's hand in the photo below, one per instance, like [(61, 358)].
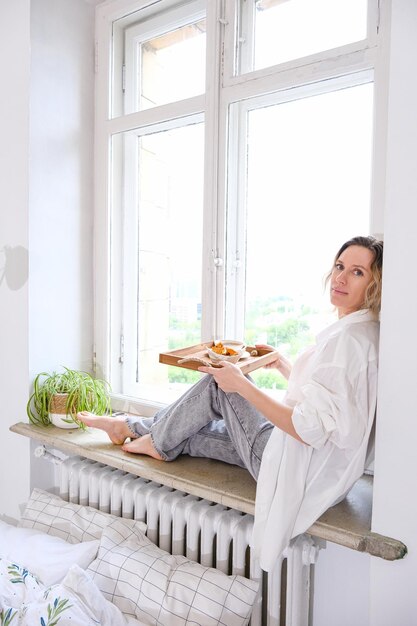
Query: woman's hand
[(281, 363), (228, 377)]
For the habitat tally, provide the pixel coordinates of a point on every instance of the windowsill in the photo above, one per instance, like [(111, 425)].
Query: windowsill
[(347, 524)]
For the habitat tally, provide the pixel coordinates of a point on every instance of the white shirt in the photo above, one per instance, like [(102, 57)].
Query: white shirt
[(333, 389)]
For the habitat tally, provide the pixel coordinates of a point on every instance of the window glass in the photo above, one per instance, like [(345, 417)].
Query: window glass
[(164, 68), (284, 30), (173, 65), (162, 278), (309, 168)]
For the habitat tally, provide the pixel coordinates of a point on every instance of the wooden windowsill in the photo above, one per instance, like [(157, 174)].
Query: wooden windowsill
[(347, 524)]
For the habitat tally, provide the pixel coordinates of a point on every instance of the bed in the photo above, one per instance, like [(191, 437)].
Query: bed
[(67, 564)]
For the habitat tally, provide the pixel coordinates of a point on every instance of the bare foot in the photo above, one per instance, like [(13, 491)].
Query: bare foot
[(115, 427), (142, 445)]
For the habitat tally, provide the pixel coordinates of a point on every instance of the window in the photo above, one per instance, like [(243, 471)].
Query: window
[(228, 169), (299, 181), (162, 225), (276, 31), (165, 58)]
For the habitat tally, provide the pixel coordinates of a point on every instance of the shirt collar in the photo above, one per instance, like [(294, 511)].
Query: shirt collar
[(363, 315)]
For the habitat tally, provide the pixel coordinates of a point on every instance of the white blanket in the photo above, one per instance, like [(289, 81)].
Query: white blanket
[(76, 601)]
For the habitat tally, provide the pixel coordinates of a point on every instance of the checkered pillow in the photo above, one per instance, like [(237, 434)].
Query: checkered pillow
[(161, 589), (73, 522)]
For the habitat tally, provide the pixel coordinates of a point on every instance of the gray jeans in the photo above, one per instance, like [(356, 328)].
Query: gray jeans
[(207, 422)]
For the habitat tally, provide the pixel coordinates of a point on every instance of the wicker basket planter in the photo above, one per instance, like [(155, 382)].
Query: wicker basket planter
[(58, 412)]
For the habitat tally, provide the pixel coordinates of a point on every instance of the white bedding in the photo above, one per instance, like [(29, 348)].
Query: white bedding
[(49, 558), (70, 565), (76, 601)]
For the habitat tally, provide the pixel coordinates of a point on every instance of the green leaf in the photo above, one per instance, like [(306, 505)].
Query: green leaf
[(85, 393)]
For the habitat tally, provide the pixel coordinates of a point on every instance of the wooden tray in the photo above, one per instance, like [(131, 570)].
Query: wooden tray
[(199, 351)]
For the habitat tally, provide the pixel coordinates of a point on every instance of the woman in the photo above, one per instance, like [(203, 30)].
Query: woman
[(305, 452)]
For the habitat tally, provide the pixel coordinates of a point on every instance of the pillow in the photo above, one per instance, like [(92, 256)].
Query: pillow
[(131, 621), (48, 557), (74, 602), (72, 522), (162, 589)]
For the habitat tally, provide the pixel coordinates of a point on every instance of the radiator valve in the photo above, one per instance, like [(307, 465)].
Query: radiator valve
[(42, 453)]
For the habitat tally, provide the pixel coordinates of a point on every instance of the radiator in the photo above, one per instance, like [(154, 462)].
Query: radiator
[(206, 532)]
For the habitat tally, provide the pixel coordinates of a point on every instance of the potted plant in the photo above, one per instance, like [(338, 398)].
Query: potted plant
[(58, 397)]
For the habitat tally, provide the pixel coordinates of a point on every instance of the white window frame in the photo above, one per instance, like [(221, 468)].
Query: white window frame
[(130, 278), (353, 53), (153, 27), (237, 169), (223, 89)]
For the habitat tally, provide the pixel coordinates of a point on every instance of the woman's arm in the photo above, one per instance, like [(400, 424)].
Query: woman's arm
[(230, 379)]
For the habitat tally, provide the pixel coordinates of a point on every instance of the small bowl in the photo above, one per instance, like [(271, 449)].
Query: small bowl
[(237, 346)]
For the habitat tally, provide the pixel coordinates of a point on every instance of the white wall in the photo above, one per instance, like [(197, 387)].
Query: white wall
[(14, 167), (61, 192), (393, 585), (341, 587), (46, 191), (61, 197)]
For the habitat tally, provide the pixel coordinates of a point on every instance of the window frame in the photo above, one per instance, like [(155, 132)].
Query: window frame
[(176, 17), (354, 51), (221, 190), (130, 278), (237, 171)]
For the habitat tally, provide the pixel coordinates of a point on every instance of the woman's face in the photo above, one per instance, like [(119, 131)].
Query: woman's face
[(350, 278)]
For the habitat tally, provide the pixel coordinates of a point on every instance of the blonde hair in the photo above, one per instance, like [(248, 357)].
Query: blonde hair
[(374, 290)]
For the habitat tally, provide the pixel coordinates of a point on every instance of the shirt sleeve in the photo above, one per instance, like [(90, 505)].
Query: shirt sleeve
[(329, 410)]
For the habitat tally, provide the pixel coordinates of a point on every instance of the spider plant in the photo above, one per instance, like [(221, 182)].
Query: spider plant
[(84, 393)]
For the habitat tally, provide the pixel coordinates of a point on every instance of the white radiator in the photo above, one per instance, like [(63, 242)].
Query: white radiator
[(209, 533)]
